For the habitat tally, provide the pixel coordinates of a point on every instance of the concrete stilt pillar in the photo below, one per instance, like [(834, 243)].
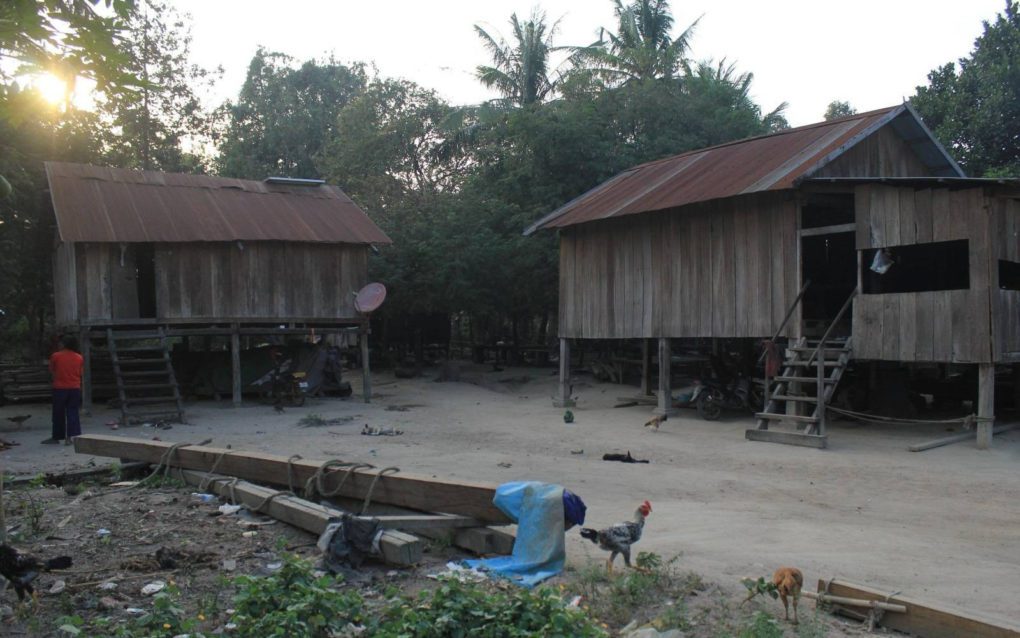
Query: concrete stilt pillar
[(646, 367), (665, 403), (366, 371), (563, 398)]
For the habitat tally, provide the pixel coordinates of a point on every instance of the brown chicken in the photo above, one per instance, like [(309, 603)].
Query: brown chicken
[(655, 422), (788, 582)]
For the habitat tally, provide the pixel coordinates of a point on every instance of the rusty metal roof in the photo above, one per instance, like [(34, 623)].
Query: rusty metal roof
[(97, 204), (768, 163)]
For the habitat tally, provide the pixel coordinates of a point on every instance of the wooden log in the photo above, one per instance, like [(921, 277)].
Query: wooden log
[(925, 619), (563, 398), (986, 404), (235, 366), (664, 406), (397, 548), (958, 438), (788, 438), (855, 602), (480, 540), (402, 489)]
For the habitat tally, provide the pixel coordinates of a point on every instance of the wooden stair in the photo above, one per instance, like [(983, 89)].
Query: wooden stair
[(784, 402), (146, 383)]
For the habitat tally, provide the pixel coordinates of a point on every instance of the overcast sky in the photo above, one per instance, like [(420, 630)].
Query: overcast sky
[(872, 53)]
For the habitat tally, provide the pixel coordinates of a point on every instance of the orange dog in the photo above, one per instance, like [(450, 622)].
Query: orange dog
[(788, 582)]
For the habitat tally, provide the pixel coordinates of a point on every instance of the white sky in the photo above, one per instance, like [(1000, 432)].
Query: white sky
[(872, 53)]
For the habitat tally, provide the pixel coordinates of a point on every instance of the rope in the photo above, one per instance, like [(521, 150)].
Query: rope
[(203, 485), (371, 487), (967, 421), (164, 460)]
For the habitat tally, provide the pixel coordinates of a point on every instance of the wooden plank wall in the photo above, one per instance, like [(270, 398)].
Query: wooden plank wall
[(883, 153), (1005, 303), (726, 268), (65, 284), (93, 266), (264, 280), (943, 326)]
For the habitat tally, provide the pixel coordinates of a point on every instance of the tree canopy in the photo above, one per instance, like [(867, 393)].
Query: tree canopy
[(974, 108)]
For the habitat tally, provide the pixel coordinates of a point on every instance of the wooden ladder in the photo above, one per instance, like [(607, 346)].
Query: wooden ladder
[(146, 383), (820, 363)]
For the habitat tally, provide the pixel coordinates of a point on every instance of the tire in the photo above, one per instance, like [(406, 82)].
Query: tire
[(709, 407)]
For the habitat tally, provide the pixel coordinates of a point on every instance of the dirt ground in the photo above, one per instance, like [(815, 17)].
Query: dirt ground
[(941, 525)]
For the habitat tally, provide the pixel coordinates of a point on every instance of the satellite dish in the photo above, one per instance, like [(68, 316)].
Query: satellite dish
[(370, 298)]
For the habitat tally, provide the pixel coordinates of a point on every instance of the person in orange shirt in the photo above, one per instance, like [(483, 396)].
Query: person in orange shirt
[(66, 367)]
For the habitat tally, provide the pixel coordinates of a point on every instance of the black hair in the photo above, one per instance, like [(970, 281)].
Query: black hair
[(70, 342)]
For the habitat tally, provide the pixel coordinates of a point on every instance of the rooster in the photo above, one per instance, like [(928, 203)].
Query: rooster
[(618, 538), (21, 569), (655, 422), (788, 581)]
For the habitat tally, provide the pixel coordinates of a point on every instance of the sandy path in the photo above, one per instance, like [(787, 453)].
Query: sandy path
[(942, 525)]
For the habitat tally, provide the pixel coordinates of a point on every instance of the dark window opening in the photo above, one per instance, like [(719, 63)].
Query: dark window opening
[(827, 209), (943, 265), (145, 263), (1009, 275)]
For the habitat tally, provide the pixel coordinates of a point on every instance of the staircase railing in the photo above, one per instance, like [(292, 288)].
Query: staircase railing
[(819, 353), (789, 313)]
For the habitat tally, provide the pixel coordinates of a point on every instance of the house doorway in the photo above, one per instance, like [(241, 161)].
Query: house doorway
[(828, 255)]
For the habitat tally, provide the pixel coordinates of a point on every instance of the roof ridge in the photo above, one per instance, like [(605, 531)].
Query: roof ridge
[(796, 129)]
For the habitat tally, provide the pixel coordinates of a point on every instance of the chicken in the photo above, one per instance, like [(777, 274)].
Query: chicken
[(619, 538), (18, 420), (21, 569), (655, 422), (788, 581)]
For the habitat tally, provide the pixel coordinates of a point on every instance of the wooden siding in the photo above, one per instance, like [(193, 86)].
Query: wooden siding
[(212, 281), (943, 326), (726, 268), (883, 153), (262, 280), (65, 284), (1005, 303)]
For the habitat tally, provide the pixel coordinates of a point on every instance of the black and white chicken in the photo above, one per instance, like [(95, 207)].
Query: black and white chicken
[(21, 569), (619, 538)]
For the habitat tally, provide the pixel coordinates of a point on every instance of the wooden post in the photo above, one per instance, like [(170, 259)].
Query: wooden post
[(986, 404), (1016, 387), (646, 367), (366, 374), (86, 373), (235, 363), (563, 399), (665, 404)]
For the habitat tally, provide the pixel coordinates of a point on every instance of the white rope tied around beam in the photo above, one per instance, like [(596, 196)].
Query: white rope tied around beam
[(966, 421)]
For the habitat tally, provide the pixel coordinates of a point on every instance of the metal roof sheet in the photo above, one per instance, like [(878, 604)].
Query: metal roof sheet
[(767, 163), (97, 204)]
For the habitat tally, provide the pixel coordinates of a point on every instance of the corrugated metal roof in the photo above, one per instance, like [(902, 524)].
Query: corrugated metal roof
[(771, 162), (97, 204)]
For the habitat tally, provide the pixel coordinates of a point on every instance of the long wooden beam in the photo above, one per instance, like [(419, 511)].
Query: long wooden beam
[(397, 548), (403, 489), (922, 618)]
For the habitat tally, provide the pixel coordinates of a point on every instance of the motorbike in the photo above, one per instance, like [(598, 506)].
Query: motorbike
[(719, 390)]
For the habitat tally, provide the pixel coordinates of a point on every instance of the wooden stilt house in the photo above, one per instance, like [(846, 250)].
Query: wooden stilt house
[(855, 238), (142, 256)]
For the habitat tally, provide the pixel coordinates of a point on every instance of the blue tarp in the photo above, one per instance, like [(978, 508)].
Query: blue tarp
[(539, 550)]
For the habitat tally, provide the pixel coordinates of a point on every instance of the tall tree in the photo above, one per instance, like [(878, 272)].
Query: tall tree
[(975, 109), (642, 47), (521, 68), (165, 126), (284, 115), (837, 109)]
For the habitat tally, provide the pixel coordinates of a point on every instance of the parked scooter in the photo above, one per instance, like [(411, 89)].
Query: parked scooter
[(721, 389)]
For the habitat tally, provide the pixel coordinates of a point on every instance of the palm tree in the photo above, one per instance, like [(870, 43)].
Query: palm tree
[(642, 48), (520, 70)]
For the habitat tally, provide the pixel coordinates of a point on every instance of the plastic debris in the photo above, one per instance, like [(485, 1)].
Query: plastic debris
[(58, 586), (249, 534), (102, 532), (204, 498), (108, 585), (229, 564), (135, 611), (227, 509), (153, 588), (274, 566)]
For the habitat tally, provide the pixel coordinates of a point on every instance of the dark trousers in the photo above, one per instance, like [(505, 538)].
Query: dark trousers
[(65, 413)]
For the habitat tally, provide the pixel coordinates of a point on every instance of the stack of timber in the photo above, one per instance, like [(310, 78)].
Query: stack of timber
[(23, 382), (909, 615), (434, 508)]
